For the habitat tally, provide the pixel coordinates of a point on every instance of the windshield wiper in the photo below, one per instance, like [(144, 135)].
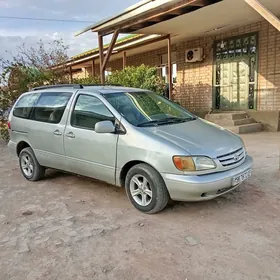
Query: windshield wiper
[(166, 121)]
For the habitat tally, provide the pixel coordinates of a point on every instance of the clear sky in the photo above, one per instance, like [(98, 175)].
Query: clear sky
[(14, 32)]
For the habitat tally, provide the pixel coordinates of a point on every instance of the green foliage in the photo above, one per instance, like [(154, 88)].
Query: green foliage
[(4, 131), (88, 80), (143, 76), (29, 68)]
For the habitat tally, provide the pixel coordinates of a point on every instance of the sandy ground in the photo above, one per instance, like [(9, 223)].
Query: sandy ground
[(83, 229)]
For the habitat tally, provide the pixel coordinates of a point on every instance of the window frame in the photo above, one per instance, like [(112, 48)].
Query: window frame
[(164, 65), (74, 106)]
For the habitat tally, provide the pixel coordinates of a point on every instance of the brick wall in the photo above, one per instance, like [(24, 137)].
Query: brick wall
[(194, 80), (269, 68)]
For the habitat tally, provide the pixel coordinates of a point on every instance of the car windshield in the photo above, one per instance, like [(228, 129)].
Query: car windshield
[(147, 108)]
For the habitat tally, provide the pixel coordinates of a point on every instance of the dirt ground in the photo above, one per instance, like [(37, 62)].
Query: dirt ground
[(84, 229)]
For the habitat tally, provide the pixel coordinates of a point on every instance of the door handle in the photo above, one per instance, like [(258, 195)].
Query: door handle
[(57, 132), (70, 135)]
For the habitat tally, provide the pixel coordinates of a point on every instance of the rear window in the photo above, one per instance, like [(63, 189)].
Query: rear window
[(24, 105), (44, 107)]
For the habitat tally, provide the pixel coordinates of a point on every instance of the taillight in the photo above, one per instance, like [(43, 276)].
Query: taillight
[(9, 125)]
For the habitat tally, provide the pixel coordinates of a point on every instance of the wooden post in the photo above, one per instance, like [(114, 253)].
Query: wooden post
[(110, 49), (124, 59), (101, 58), (170, 82), (264, 12), (71, 74), (93, 68)]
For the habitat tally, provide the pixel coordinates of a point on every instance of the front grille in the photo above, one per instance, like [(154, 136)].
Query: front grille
[(232, 158)]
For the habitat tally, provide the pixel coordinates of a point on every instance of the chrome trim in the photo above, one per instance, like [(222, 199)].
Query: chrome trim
[(232, 158)]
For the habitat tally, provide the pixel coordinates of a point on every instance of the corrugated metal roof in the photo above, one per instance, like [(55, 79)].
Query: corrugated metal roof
[(120, 41)]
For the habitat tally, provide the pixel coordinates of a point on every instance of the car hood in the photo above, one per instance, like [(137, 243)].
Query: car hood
[(199, 137)]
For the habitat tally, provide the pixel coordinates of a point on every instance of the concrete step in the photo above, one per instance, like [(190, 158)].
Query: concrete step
[(246, 128), (244, 121), (225, 122), (226, 116)]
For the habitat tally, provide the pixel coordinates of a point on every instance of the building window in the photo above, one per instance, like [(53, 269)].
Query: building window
[(164, 71), (108, 72)]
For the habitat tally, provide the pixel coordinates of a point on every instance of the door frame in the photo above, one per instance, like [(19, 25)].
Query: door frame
[(109, 178), (253, 67)]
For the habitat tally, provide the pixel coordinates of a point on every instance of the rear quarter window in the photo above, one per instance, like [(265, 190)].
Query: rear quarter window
[(24, 106)]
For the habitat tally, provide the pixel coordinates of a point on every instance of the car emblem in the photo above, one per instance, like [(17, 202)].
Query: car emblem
[(236, 157)]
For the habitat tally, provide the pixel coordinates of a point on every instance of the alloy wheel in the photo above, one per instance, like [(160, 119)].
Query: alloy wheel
[(27, 165), (141, 190)]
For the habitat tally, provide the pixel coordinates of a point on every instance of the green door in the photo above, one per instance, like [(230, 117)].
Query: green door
[(234, 84), (235, 73)]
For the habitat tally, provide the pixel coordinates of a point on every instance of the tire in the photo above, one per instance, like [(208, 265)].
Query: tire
[(152, 196), (29, 166)]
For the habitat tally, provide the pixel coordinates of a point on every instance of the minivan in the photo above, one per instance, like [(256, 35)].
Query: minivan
[(131, 138)]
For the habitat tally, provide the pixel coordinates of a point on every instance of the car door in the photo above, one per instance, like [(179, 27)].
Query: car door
[(47, 125), (87, 152)]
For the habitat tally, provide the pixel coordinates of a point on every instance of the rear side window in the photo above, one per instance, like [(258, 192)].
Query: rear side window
[(24, 105), (50, 106)]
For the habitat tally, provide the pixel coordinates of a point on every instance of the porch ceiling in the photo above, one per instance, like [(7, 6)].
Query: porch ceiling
[(207, 21), (212, 19)]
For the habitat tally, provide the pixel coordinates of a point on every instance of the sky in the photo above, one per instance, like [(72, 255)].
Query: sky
[(14, 32)]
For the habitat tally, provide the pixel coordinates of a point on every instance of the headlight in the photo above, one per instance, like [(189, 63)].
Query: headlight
[(244, 146), (184, 163)]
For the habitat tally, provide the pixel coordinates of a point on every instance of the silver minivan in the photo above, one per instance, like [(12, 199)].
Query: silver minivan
[(127, 137)]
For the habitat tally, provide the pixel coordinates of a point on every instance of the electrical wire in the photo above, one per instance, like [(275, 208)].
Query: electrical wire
[(44, 19)]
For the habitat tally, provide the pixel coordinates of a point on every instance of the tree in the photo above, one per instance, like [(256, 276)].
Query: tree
[(39, 65)]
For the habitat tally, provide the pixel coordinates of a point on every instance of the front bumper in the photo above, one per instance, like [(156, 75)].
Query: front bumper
[(204, 187)]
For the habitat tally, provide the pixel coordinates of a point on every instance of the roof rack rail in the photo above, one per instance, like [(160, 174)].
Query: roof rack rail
[(99, 85), (75, 86)]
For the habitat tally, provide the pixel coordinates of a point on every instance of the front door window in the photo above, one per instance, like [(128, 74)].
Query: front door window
[(88, 111)]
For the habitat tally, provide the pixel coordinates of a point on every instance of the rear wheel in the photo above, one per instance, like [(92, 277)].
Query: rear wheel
[(30, 167), (146, 189)]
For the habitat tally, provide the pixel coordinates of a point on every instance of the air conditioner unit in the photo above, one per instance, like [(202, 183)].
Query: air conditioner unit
[(194, 55)]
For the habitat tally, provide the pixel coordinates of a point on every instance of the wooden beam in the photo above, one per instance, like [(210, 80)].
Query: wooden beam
[(101, 58), (71, 74), (142, 44), (110, 49), (264, 12), (150, 16), (124, 59), (93, 68), (200, 3), (177, 12), (170, 82)]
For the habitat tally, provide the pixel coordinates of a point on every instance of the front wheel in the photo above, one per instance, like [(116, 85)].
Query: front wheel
[(146, 189)]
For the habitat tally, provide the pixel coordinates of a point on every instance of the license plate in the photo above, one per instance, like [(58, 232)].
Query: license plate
[(242, 177)]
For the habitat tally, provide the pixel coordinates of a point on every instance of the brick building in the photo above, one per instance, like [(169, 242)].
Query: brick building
[(239, 65)]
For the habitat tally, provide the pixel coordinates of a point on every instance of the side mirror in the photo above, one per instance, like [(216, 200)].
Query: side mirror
[(104, 127)]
